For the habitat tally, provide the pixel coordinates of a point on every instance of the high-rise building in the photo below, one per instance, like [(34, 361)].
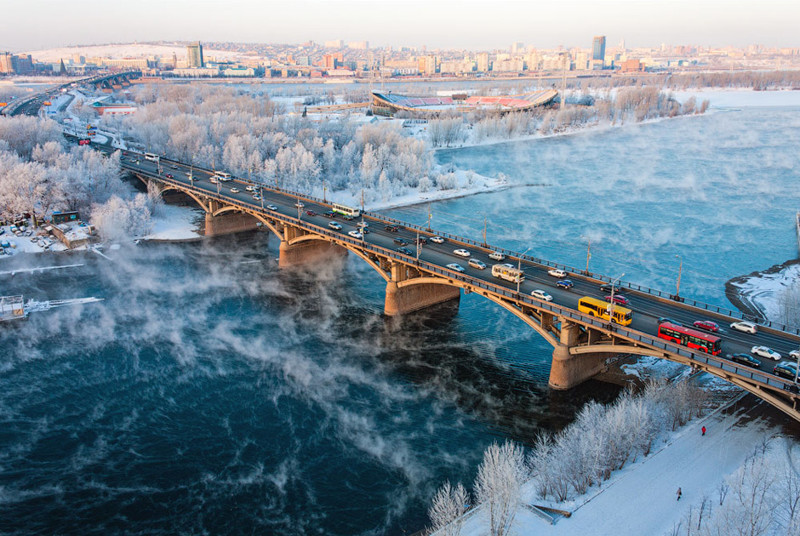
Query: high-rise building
[(194, 55), (6, 66), (483, 62), (599, 48)]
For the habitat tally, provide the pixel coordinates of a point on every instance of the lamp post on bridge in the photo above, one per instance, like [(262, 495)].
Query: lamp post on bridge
[(611, 303), (519, 267), (678, 286)]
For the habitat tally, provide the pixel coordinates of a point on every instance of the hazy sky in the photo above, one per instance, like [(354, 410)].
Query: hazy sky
[(485, 24)]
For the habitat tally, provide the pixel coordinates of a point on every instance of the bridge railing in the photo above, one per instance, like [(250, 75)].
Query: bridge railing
[(575, 272)]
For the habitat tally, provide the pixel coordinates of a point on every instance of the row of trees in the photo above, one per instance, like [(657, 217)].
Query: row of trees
[(40, 173), (245, 134), (624, 105), (601, 440)]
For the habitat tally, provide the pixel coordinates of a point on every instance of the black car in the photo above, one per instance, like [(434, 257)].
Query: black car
[(745, 359), (785, 370), (400, 242), (606, 287), (422, 240), (392, 228), (404, 251), (329, 214)]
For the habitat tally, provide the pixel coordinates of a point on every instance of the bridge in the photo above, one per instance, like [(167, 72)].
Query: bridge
[(421, 278), (31, 104)]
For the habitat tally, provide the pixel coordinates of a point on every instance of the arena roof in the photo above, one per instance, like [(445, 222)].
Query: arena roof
[(433, 105)]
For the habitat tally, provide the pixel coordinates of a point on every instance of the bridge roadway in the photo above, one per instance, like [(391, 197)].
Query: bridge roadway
[(30, 105), (640, 338)]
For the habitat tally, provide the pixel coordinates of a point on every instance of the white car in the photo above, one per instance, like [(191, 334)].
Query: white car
[(475, 263), (234, 190), (437, 239), (299, 204), (461, 252), (542, 295), (335, 226), (557, 273), (250, 188), (356, 234), (455, 266), (765, 351), (272, 207), (496, 256), (745, 327), (795, 354)]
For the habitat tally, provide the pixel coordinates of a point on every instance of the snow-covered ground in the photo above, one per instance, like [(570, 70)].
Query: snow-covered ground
[(26, 244)]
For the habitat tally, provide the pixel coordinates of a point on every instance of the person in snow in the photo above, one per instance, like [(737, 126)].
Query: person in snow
[(703, 429), (679, 494)]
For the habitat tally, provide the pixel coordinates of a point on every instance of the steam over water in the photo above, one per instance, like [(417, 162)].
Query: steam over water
[(212, 393)]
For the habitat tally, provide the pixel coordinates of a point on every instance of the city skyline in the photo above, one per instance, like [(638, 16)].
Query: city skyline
[(443, 24)]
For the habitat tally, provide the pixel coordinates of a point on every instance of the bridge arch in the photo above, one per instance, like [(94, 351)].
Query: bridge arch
[(191, 194)]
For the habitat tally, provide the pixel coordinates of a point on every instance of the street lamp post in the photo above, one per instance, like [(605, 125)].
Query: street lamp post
[(519, 267), (680, 271), (610, 307), (262, 196)]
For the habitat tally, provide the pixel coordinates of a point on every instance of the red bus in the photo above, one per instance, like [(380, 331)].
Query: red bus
[(694, 339)]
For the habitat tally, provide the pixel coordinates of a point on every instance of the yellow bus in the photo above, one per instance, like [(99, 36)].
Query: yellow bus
[(600, 309)]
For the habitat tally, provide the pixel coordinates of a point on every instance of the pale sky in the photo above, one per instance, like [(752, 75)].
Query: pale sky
[(474, 25)]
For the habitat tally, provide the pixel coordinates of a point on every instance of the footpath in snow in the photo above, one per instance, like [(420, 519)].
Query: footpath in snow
[(642, 499)]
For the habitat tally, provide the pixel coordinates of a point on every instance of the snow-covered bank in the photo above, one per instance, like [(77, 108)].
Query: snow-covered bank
[(767, 293)]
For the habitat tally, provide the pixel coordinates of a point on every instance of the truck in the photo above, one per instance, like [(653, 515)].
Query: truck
[(508, 272)]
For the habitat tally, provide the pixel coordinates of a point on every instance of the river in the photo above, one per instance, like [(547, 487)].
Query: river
[(212, 393)]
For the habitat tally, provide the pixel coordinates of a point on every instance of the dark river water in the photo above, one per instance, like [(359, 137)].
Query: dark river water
[(211, 393)]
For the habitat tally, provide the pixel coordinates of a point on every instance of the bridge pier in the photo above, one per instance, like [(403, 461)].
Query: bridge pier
[(569, 370), (307, 251), (228, 223), (409, 298)]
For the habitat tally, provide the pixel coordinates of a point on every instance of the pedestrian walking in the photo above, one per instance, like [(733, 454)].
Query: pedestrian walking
[(679, 494), (703, 429)]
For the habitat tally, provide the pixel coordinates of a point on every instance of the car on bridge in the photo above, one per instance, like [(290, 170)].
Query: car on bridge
[(356, 234), (795, 354), (392, 228), (335, 226), (299, 204), (461, 252), (234, 190), (421, 240), (786, 370), (400, 242), (555, 272), (745, 327), (272, 207), (405, 251), (168, 175), (250, 188), (706, 325), (745, 359), (475, 263), (257, 197), (437, 239), (565, 284), (619, 299), (455, 266), (329, 214), (311, 213), (765, 351), (496, 256), (542, 295)]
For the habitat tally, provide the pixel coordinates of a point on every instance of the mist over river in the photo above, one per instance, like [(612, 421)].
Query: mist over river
[(211, 393)]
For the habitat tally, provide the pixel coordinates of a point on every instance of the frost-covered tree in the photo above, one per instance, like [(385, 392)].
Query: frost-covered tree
[(498, 483), (447, 509), (117, 219)]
